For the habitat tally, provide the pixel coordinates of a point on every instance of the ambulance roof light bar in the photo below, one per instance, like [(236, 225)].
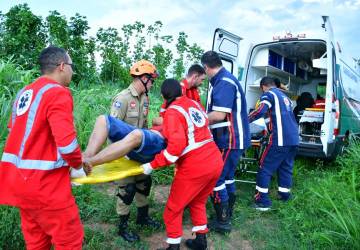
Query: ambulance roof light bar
[(289, 36)]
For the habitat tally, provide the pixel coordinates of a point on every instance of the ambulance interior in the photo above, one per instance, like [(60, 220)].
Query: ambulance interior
[(301, 68)]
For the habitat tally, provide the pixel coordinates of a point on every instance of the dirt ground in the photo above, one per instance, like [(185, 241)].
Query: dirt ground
[(215, 241)]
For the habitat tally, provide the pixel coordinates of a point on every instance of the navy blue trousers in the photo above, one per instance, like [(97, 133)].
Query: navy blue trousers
[(226, 182), (275, 159)]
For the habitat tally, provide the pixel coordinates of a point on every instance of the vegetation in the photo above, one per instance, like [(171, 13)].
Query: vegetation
[(325, 210)]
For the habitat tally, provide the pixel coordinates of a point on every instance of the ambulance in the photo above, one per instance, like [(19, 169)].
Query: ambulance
[(324, 89)]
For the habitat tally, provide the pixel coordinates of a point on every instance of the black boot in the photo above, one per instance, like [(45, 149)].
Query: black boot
[(232, 198), (124, 231), (222, 223), (144, 219), (171, 247), (199, 243)]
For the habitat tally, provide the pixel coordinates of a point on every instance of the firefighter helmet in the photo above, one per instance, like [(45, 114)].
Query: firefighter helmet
[(143, 67)]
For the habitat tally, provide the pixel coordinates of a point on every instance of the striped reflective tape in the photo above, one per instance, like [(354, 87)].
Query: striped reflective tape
[(278, 119), (221, 187), (238, 109), (32, 164), (170, 157), (32, 114), (199, 228), (262, 190), (69, 148), (284, 190), (220, 125)]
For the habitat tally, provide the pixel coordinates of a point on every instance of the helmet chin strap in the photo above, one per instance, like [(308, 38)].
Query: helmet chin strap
[(145, 83)]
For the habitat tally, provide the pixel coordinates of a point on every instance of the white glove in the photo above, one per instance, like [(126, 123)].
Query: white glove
[(77, 173), (147, 168)]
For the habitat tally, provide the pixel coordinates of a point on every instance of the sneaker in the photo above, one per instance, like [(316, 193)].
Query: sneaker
[(261, 207)]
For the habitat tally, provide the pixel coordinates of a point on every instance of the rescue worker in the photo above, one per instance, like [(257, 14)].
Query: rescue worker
[(189, 87), (227, 114), (40, 148), (280, 153), (131, 106), (198, 165)]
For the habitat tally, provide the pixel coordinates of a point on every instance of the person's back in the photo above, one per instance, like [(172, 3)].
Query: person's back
[(235, 132), (32, 147), (284, 127), (194, 142)]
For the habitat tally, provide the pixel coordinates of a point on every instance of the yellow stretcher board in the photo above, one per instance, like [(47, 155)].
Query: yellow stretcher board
[(111, 171)]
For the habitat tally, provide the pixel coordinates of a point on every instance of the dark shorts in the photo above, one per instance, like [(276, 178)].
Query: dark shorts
[(151, 143)]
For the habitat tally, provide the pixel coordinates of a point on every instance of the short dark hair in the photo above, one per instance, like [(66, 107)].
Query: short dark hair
[(267, 81), (50, 58), (196, 69), (277, 82), (211, 59), (170, 90)]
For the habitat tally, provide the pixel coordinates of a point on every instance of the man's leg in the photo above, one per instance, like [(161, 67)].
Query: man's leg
[(269, 164), (143, 187), (220, 198), (233, 160), (285, 172), (126, 193), (118, 149), (97, 137), (34, 235)]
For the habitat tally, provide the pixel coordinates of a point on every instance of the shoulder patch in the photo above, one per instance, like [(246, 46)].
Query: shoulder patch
[(197, 117), (117, 104), (24, 102)]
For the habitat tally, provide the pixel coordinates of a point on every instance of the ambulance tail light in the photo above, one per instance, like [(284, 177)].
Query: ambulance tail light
[(337, 117)]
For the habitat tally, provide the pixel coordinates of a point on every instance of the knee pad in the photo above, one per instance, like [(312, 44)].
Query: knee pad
[(143, 186), (126, 193)]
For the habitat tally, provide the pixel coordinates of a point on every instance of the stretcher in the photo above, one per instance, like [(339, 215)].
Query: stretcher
[(249, 162), (111, 171)]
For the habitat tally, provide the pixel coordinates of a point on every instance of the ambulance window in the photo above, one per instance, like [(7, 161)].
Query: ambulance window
[(229, 47)]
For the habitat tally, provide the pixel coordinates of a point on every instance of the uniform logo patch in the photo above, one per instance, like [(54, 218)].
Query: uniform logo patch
[(24, 102), (117, 104), (287, 103), (132, 104), (197, 117)]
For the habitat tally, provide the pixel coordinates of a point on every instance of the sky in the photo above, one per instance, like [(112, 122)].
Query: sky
[(253, 20)]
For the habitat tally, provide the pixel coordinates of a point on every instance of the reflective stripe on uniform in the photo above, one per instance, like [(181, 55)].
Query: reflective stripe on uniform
[(221, 187), (220, 125), (238, 108), (199, 228), (262, 190), (191, 128), (170, 157), (195, 146), (221, 109), (191, 136), (284, 190), (32, 164), (32, 114), (266, 102), (227, 182), (278, 119), (69, 148), (173, 240)]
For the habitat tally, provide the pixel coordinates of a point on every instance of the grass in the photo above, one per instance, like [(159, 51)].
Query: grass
[(324, 214)]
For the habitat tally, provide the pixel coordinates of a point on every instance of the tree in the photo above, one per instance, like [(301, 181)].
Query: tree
[(23, 36)]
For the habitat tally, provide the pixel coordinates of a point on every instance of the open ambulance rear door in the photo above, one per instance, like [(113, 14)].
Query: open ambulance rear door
[(327, 128)]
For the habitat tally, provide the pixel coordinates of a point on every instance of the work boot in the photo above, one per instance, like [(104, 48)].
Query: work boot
[(232, 199), (199, 243), (171, 247), (222, 223), (124, 231), (144, 219)]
